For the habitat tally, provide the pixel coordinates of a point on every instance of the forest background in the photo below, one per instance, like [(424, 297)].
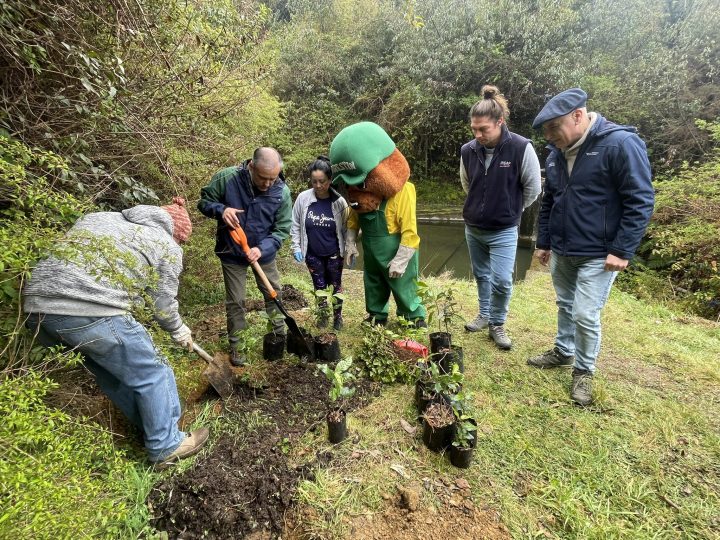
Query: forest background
[(112, 103)]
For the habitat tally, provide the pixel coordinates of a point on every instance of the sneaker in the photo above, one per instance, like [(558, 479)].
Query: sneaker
[(477, 324), (337, 322), (551, 359), (498, 335), (370, 319), (237, 359), (189, 447), (581, 390)]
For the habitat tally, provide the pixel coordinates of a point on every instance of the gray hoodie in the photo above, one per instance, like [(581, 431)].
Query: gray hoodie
[(103, 264)]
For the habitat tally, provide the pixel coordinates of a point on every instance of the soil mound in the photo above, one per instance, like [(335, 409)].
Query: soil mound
[(292, 300), (245, 484)]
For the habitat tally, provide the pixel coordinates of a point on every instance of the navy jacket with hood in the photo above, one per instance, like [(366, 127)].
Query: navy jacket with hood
[(266, 219), (606, 203)]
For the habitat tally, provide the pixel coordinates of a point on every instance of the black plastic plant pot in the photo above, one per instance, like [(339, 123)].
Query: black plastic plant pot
[(438, 438), (445, 360), (337, 425), (459, 356), (423, 396), (273, 346), (461, 457), (439, 340), (327, 348), (292, 343)]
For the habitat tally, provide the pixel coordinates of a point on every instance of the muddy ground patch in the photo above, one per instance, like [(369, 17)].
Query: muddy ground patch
[(244, 485)]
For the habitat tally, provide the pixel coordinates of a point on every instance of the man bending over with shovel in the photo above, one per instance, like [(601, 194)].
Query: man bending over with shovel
[(252, 196), (108, 265)]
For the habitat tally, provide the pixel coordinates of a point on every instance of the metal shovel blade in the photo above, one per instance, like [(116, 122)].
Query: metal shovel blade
[(218, 373), (303, 349)]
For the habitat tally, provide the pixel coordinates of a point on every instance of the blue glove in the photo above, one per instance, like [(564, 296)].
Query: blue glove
[(298, 256)]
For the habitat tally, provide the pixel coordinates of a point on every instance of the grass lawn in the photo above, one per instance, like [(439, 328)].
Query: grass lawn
[(643, 462)]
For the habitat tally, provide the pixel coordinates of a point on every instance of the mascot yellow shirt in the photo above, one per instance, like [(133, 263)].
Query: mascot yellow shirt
[(400, 216)]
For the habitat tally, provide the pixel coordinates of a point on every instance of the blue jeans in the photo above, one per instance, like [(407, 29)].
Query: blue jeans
[(582, 287), (492, 255), (128, 369)]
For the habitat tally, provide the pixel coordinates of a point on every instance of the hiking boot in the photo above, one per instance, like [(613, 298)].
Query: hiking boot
[(337, 321), (477, 324), (581, 390), (190, 446), (551, 359), (498, 335), (370, 319), (237, 359), (419, 323)]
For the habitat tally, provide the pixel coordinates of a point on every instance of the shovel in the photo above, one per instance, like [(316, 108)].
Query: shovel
[(218, 373), (238, 236)]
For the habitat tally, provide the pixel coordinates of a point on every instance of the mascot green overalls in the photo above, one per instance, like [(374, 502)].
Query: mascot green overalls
[(376, 174)]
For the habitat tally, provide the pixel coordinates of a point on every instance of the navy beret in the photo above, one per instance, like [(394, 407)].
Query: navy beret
[(562, 104)]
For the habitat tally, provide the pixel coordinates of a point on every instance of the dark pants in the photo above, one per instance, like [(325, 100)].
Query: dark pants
[(326, 271), (235, 277)]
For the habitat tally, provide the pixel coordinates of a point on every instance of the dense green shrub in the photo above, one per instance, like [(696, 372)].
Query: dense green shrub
[(59, 477), (33, 213), (680, 258)]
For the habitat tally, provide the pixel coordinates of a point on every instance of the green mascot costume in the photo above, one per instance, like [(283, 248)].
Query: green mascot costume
[(376, 174)]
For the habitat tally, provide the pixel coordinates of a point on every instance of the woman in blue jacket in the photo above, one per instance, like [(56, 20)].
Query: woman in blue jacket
[(319, 226)]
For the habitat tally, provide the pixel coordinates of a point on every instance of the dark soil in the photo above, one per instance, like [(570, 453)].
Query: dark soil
[(292, 299), (245, 486)]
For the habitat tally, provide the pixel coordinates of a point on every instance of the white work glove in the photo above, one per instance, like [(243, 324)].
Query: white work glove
[(351, 251), (399, 263), (183, 337)]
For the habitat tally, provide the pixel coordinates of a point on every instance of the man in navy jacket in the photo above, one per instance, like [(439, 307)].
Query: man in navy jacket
[(597, 203), (254, 197)]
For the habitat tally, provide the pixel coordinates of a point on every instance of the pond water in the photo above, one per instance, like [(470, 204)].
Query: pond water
[(443, 247)]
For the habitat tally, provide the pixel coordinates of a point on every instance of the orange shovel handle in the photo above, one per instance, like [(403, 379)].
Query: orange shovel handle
[(239, 237)]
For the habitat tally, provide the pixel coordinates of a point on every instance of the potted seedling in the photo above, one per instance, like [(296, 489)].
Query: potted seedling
[(273, 342), (327, 346), (465, 437), (442, 309), (438, 425), (425, 374), (339, 392)]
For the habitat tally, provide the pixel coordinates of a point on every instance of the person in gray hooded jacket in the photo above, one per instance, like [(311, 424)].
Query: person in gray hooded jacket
[(82, 297)]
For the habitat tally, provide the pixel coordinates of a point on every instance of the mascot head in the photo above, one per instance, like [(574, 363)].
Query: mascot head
[(364, 158)]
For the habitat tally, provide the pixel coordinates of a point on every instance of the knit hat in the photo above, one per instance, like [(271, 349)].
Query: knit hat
[(180, 219), (357, 150), (560, 105)]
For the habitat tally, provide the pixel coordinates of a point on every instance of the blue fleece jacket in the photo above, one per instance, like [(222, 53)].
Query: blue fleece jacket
[(605, 205), (266, 218)]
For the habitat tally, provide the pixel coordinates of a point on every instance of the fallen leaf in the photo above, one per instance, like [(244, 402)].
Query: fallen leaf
[(462, 483), (399, 469), (407, 427)]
